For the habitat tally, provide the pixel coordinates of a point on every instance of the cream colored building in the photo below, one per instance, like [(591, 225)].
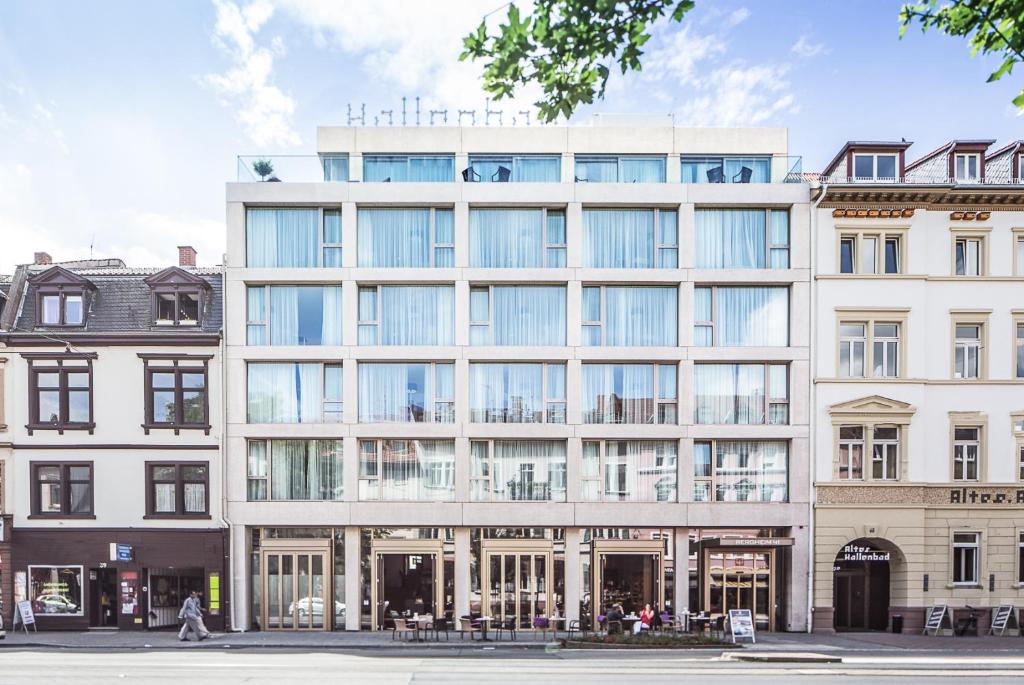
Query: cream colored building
[(919, 373), (540, 424)]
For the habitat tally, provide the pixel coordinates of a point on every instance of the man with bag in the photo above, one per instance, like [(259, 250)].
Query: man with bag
[(192, 613)]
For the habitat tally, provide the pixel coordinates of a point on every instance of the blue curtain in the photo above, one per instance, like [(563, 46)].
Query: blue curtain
[(432, 169), (695, 169), (506, 238), (640, 315), (417, 315), (506, 393), (749, 316), (597, 170), (760, 168), (394, 237), (635, 170), (282, 237), (335, 167), (379, 168), (730, 238), (537, 169), (618, 238), (528, 315)]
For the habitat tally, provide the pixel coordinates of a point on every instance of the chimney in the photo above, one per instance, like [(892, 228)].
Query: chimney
[(186, 255), (42, 258)]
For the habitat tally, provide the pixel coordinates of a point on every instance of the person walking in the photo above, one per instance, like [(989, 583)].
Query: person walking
[(192, 613)]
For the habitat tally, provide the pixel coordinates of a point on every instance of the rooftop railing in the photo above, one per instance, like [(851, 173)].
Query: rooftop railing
[(911, 179), (292, 168)]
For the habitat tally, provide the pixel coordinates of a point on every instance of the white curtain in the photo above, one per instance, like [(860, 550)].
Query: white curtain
[(394, 237), (618, 393), (380, 168), (332, 297), (256, 312), (730, 238), (649, 467), (285, 393), (640, 316), (506, 238), (529, 470), (729, 393), (282, 237), (537, 169), (384, 392), (306, 470), (760, 168), (618, 238), (507, 393), (432, 169), (417, 315), (751, 470), (642, 170), (749, 316), (284, 315), (598, 170), (418, 470), (529, 315)]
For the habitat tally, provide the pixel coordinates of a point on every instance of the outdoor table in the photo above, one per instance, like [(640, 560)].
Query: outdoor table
[(553, 621), (484, 620), (628, 622), (701, 622), (421, 623)]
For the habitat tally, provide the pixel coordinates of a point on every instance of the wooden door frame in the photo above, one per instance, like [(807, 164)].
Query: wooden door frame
[(772, 568), (517, 547), (407, 547), (296, 546), (601, 548)]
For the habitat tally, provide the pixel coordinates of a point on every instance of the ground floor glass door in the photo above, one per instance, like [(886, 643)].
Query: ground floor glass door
[(296, 589), (407, 579), (518, 586), (630, 573), (741, 580)]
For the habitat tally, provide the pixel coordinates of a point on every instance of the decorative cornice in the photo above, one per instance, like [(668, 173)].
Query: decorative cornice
[(113, 339)]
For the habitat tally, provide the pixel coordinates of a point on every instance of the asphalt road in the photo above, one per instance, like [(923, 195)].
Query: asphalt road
[(279, 666)]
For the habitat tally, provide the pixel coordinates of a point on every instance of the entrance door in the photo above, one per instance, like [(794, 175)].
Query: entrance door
[(408, 579), (517, 584), (741, 580), (860, 587), (296, 586), (630, 573), (103, 597)]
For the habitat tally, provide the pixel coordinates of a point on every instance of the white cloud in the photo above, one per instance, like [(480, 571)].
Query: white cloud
[(737, 16), (740, 96), (263, 109), (805, 48)]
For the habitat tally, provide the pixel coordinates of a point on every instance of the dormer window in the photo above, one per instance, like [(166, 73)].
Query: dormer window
[(967, 168), (62, 297), (874, 167), (178, 297), (62, 309)]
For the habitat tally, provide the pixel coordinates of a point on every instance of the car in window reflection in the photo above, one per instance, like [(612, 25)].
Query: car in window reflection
[(315, 606), (54, 604)]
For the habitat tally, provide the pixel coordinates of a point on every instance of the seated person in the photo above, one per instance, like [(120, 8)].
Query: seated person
[(646, 620)]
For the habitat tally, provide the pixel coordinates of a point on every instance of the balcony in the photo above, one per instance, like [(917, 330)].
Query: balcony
[(293, 168), (741, 169)]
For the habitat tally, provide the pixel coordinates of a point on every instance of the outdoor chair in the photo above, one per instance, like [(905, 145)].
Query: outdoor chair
[(502, 175), (469, 175), (506, 626), (716, 175), (744, 175), (467, 625), (544, 625), (614, 627), (402, 627), (576, 627), (439, 625)]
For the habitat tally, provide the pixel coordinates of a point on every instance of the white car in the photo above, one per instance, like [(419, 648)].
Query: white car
[(315, 606), (55, 604)]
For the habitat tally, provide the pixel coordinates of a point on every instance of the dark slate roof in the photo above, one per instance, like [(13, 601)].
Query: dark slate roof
[(121, 303)]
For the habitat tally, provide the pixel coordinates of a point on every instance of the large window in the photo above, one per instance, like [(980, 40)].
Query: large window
[(56, 590), (742, 238), (615, 169), (177, 394), (285, 392), (517, 315), (514, 169), (966, 452), (967, 350), (60, 393), (629, 393), (629, 470), (874, 167), (295, 470), (293, 315), (406, 393), (630, 238), (62, 489), (633, 316), (741, 316), (740, 471), (407, 315), (297, 237), (881, 441), (518, 471), (741, 393), (517, 393), (407, 470), (335, 167), (726, 170), (869, 348), (406, 237), (969, 256), (870, 253), (62, 307), (177, 489), (408, 168), (516, 238), (966, 558)]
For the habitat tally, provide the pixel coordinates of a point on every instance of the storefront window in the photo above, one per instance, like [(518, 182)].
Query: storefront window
[(56, 590)]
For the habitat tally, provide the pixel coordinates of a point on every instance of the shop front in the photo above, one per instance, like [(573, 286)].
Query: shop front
[(405, 572), (520, 575), (118, 578)]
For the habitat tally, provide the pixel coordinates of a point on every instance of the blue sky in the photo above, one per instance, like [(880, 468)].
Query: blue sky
[(121, 121)]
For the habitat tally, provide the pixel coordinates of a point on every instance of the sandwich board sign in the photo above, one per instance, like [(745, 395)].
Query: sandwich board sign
[(741, 625), (938, 621), (25, 616), (1004, 619)]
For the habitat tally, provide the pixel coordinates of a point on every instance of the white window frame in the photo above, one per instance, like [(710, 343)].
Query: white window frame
[(847, 343), (972, 266), (439, 409), (890, 346), (555, 248), (860, 252), (961, 567), (962, 459), (890, 453), (846, 450), (712, 324), (966, 158), (874, 166), (268, 468), (367, 324), (602, 471), (969, 347), (324, 245)]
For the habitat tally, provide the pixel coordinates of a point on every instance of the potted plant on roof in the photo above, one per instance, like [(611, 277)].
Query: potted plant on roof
[(263, 168)]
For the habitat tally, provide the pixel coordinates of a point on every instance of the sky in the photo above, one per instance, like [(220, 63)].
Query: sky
[(121, 121)]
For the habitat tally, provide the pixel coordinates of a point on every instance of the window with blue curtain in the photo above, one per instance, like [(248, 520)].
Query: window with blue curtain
[(616, 169), (726, 169), (739, 316), (517, 315), (407, 315), (634, 316), (409, 168), (335, 167), (731, 238), (294, 315), (406, 392), (630, 238), (285, 392), (277, 237), (519, 168), (405, 237)]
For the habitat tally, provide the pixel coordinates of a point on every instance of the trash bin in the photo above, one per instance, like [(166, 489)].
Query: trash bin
[(897, 623)]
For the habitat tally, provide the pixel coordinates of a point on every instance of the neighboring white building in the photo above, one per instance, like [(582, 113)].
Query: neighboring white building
[(113, 475), (519, 372), (919, 383)]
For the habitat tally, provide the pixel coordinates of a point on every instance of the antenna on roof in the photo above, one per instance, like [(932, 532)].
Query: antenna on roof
[(91, 243)]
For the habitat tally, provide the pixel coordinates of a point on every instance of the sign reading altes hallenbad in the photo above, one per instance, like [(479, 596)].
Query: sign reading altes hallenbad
[(853, 552), (985, 496)]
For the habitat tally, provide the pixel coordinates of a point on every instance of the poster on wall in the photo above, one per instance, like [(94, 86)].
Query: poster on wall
[(129, 593)]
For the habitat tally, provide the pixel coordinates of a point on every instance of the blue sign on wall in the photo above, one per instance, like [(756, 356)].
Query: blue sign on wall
[(125, 552)]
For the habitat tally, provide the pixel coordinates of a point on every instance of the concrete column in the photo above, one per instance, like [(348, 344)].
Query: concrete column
[(350, 469), (568, 167), (462, 581), (349, 230), (461, 217), (573, 459), (796, 584), (462, 313), (573, 591), (687, 245), (574, 235), (353, 583), (350, 312), (462, 469), (681, 600), (673, 171), (240, 618), (684, 471), (355, 166)]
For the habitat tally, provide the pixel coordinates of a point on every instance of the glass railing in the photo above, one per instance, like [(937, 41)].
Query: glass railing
[(293, 168)]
